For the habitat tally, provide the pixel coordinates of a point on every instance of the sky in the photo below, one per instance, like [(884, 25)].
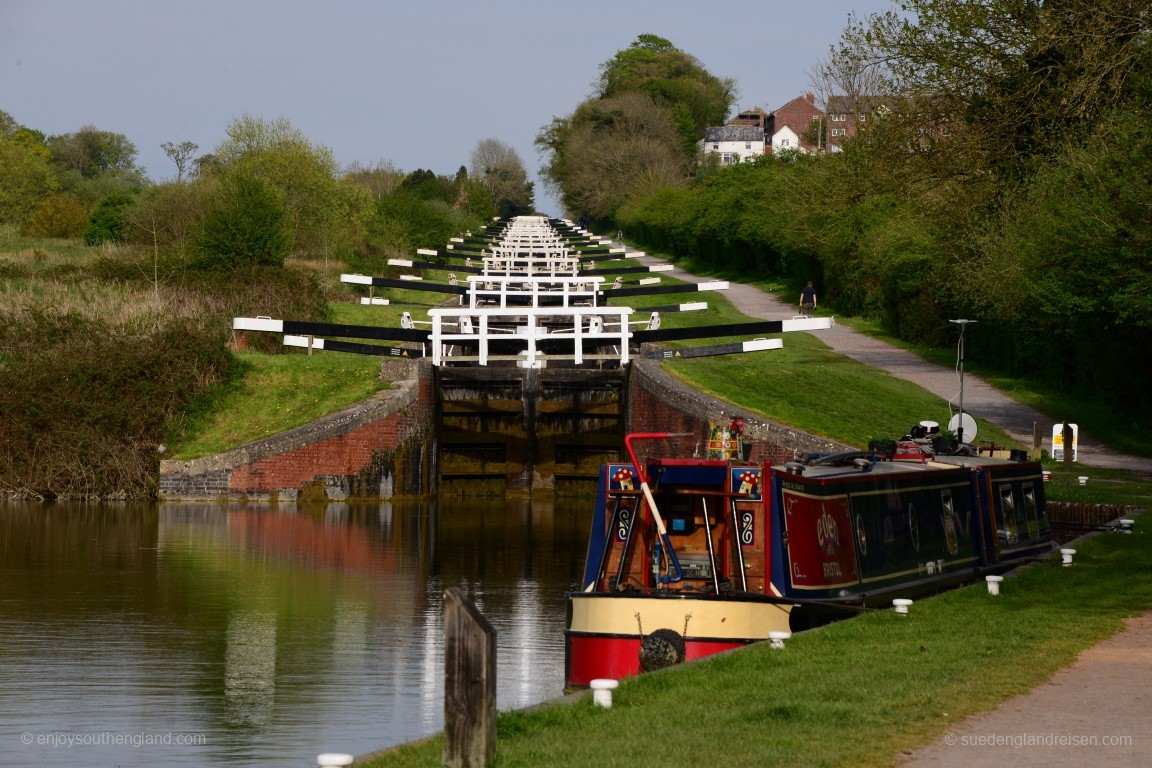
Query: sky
[(416, 83)]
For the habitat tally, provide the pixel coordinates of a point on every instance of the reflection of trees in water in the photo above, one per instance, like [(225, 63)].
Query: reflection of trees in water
[(256, 616)]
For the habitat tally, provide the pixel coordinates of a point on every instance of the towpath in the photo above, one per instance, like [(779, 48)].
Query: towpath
[(981, 399)]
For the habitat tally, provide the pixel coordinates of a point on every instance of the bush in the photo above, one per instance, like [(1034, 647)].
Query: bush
[(57, 216), (248, 229), (109, 220), (87, 405)]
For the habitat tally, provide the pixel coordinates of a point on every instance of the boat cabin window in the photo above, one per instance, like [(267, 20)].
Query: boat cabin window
[(1008, 531)]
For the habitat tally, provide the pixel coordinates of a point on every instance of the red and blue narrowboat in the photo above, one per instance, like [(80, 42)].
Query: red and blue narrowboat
[(690, 557)]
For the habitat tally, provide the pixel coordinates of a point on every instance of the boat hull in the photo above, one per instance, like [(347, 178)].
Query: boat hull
[(604, 631)]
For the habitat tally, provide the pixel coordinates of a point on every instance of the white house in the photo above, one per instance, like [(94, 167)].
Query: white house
[(785, 139), (733, 143)]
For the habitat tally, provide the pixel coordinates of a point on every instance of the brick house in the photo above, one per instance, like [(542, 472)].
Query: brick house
[(789, 126)]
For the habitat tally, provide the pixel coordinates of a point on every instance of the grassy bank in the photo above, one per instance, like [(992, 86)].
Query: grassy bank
[(1093, 414), (856, 693)]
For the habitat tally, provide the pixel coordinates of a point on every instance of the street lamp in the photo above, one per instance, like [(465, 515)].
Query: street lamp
[(960, 421)]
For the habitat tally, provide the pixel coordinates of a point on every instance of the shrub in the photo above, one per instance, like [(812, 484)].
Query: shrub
[(57, 216), (109, 220)]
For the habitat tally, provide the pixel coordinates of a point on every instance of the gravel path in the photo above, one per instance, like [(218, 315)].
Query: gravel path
[(980, 397)]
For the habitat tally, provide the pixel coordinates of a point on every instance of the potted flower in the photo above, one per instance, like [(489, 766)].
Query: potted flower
[(736, 432)]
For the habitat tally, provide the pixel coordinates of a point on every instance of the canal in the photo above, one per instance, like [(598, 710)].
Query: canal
[(197, 634)]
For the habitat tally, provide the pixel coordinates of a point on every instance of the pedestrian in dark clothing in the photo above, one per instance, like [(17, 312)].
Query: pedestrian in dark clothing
[(807, 299)]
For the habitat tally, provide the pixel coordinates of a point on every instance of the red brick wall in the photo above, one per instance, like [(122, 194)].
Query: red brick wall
[(382, 447), (660, 403)]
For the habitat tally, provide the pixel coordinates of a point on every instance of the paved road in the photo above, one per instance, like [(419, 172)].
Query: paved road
[(980, 397)]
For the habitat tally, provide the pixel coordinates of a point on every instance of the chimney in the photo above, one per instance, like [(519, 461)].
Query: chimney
[(810, 97)]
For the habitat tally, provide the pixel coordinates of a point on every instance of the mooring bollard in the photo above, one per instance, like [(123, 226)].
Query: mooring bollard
[(901, 605), (1066, 555), (993, 584), (1083, 479), (1047, 475), (776, 639), (1126, 524), (334, 760), (602, 691)]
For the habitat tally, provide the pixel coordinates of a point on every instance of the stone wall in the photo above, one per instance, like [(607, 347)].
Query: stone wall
[(659, 402), (378, 448)]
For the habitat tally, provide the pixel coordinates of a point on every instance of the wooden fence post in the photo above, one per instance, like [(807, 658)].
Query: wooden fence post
[(1035, 441), (469, 684)]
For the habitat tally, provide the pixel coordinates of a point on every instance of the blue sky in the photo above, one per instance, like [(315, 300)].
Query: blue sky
[(418, 83)]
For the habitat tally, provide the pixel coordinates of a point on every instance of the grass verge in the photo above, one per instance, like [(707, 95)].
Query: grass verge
[(274, 393), (856, 693)]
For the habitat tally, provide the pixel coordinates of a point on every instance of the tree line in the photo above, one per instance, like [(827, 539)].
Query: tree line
[(1005, 181), (109, 351)]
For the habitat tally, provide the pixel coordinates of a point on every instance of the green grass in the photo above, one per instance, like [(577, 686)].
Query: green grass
[(809, 386), (855, 693), (276, 393), (1093, 414)]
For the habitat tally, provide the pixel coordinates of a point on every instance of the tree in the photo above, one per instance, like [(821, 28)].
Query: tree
[(91, 152), (302, 176), (181, 154), (57, 216), (380, 179), (1009, 80), (499, 168), (638, 133), (26, 178), (609, 150), (248, 228), (108, 222), (675, 80)]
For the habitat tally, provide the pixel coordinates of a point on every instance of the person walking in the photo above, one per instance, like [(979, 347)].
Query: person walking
[(807, 299)]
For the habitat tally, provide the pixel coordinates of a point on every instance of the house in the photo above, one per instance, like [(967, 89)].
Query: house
[(847, 115), (733, 142), (790, 126)]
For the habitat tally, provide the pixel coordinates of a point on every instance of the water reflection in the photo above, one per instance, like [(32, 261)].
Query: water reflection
[(272, 634)]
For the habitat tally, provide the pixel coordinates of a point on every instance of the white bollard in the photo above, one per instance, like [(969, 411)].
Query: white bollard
[(1126, 524), (901, 605), (1047, 475), (602, 691), (993, 584), (1083, 479), (776, 639), (334, 760), (1066, 554)]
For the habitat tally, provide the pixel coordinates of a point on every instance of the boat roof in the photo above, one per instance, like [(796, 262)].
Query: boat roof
[(897, 466)]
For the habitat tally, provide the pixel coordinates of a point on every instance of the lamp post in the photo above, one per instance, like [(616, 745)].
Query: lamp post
[(960, 421)]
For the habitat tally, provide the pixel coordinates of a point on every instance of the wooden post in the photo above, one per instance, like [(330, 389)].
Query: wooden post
[(1066, 435), (1035, 441), (469, 684)]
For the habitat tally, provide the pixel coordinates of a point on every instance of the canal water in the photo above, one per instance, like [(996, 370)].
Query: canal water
[(210, 634)]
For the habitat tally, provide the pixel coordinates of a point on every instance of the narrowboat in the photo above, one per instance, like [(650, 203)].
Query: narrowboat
[(688, 557)]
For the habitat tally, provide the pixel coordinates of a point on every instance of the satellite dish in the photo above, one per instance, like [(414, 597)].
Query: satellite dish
[(969, 424)]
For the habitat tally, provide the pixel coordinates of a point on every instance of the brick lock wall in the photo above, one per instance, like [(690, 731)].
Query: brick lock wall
[(661, 403), (376, 449)]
